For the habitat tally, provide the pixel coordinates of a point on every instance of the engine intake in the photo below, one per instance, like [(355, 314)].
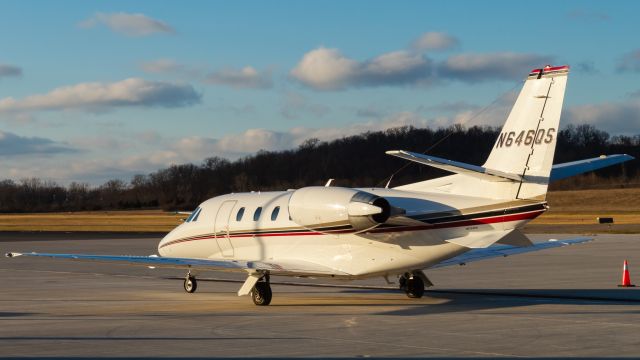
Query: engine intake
[(322, 208)]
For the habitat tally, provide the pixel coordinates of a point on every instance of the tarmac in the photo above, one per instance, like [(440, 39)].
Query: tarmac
[(557, 303)]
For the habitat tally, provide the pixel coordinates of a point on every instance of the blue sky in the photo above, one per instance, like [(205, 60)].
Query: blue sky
[(91, 90)]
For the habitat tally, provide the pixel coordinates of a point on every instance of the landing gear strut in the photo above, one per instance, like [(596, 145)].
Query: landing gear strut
[(412, 285), (190, 284), (261, 292)]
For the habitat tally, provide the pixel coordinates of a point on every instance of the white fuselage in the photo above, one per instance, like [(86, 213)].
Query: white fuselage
[(218, 232)]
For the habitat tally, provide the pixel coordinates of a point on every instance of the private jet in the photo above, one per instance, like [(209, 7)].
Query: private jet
[(394, 233)]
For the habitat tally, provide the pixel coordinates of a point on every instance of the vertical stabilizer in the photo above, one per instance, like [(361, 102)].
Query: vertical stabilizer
[(527, 142)]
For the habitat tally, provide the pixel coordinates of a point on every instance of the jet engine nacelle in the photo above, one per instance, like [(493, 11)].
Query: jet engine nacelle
[(320, 207)]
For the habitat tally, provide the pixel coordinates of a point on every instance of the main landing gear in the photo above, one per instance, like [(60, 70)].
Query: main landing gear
[(412, 284), (190, 283), (261, 293)]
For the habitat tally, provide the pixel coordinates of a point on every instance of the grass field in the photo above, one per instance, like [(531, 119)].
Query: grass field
[(570, 212), (118, 221)]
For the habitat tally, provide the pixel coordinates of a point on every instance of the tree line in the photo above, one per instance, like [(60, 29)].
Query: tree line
[(352, 161)]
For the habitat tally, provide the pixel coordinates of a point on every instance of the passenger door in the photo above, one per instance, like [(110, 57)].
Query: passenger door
[(221, 227)]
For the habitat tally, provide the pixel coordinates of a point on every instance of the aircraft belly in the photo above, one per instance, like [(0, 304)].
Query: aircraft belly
[(349, 253), (410, 250), (361, 255)]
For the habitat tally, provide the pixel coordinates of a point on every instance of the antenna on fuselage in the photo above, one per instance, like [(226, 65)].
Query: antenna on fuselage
[(389, 182), (451, 129), (328, 183)]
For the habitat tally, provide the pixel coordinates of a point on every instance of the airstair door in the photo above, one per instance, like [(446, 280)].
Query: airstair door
[(221, 227)]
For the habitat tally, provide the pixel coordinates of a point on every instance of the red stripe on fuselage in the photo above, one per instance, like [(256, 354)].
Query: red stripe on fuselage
[(459, 223)]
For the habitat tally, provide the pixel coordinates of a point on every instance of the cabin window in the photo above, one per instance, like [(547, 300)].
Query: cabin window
[(195, 218), (274, 213), (239, 214), (256, 215), (193, 213)]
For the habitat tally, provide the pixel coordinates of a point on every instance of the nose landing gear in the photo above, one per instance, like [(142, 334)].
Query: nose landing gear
[(190, 284), (261, 293)]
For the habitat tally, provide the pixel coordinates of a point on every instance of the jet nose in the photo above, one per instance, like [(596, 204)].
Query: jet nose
[(163, 248)]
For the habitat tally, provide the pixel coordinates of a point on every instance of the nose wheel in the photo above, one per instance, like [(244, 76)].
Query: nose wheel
[(261, 293), (190, 284)]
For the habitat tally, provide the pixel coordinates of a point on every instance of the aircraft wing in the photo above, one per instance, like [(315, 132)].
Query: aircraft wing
[(507, 250), (275, 268), (565, 170)]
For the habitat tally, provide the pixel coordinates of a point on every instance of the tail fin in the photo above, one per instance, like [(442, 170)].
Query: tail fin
[(519, 166), (527, 142)]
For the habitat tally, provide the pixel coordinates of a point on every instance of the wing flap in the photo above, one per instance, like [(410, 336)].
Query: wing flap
[(507, 250)]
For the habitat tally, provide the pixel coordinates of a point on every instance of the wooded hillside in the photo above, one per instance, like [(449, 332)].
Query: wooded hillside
[(353, 161)]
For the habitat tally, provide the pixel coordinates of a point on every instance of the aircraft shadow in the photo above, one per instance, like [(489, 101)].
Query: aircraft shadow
[(487, 299)]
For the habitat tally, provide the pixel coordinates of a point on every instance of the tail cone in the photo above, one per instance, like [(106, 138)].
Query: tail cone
[(626, 279)]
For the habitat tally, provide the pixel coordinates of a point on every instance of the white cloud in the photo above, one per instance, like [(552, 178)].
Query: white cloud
[(136, 25), (328, 69), (629, 62), (96, 96), (395, 68), (491, 66), (10, 70), (247, 77), (614, 117), (434, 41), (252, 140), (12, 144), (325, 69), (234, 146)]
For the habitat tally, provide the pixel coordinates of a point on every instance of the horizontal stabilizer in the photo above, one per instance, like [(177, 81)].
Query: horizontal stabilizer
[(565, 170), (455, 166)]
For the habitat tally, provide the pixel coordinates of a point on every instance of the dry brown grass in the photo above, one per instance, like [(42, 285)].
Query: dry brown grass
[(583, 207), (577, 212), (595, 201), (120, 221)]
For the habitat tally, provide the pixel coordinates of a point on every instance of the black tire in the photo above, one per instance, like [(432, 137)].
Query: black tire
[(190, 284), (415, 287), (261, 294), (402, 282)]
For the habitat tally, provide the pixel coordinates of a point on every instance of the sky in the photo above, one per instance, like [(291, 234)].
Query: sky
[(96, 90)]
